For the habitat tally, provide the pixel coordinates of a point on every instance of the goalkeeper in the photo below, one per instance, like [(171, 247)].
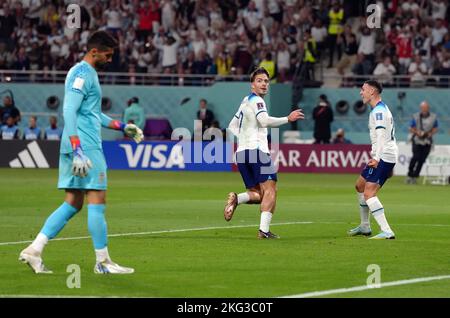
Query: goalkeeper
[(82, 166)]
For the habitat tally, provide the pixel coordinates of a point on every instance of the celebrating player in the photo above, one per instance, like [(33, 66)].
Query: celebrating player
[(380, 167), (82, 166), (250, 124)]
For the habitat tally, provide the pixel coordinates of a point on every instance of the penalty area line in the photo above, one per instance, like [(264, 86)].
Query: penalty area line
[(367, 287)]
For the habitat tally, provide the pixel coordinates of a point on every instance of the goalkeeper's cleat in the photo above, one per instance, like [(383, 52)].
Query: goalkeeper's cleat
[(231, 205), (109, 267), (34, 260), (360, 230), (383, 236), (267, 235)]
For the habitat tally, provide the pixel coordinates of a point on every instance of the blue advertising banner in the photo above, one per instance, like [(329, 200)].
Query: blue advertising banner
[(168, 155)]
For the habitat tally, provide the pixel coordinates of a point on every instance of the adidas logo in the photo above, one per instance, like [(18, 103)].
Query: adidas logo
[(30, 158)]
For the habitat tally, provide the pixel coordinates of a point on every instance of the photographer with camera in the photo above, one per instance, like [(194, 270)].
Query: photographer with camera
[(424, 125)]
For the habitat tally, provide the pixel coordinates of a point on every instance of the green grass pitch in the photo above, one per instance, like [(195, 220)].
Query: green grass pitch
[(180, 246)]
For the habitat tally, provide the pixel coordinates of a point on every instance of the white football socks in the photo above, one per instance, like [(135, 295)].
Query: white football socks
[(363, 211), (39, 243), (266, 218), (102, 255), (243, 198), (377, 210)]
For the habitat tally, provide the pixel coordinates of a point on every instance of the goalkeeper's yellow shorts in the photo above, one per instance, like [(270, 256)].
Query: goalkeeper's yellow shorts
[(96, 178)]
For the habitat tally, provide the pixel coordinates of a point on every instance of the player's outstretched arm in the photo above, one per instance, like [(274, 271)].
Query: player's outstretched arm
[(131, 130), (267, 121)]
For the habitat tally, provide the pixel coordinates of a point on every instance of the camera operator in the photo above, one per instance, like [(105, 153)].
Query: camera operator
[(424, 125)]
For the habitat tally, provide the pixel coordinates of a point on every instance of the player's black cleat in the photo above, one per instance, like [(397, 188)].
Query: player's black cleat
[(267, 235)]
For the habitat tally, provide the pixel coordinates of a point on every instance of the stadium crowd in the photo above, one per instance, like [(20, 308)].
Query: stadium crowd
[(227, 37)]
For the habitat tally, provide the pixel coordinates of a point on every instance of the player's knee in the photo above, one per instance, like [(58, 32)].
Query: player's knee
[(368, 194), (77, 204), (270, 194)]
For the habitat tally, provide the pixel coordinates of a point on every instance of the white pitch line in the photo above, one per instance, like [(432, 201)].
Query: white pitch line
[(367, 287), (203, 229), (159, 232)]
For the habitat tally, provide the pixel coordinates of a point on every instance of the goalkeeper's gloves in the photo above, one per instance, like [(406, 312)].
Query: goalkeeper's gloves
[(80, 164), (133, 131)]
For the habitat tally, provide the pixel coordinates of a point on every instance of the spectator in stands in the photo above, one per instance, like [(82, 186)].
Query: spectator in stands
[(438, 32), (198, 43), (8, 23), (205, 115), (113, 16), (367, 44), (362, 66), (403, 44), (336, 19), (9, 110), (243, 60), (417, 70), (134, 113), (319, 33), (350, 52), (202, 63), (22, 61), (53, 132), (409, 7), (310, 55), (270, 66), (323, 116), (384, 72), (224, 63), (148, 15), (169, 52), (339, 138), (438, 9), (32, 132), (283, 61), (422, 44), (424, 125), (10, 130)]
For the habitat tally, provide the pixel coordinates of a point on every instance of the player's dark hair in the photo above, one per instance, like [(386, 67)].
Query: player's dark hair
[(375, 84), (259, 70), (102, 41)]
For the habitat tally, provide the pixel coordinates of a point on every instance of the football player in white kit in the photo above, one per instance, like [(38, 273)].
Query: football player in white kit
[(249, 125), (380, 167)]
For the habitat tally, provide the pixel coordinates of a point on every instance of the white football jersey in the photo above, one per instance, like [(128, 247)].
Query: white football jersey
[(250, 134), (381, 118)]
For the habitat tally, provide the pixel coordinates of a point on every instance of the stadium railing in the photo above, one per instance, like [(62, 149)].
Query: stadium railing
[(396, 81), (117, 78)]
